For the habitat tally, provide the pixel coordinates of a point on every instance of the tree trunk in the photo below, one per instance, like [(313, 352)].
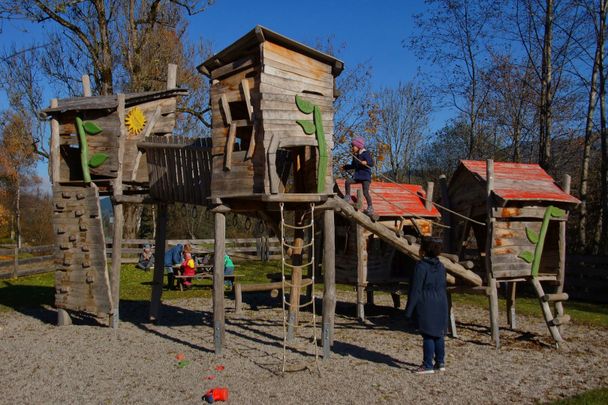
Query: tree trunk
[(582, 225), (604, 146), (544, 150), (18, 214)]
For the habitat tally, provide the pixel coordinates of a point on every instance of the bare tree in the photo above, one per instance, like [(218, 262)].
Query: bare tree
[(403, 119), (452, 35)]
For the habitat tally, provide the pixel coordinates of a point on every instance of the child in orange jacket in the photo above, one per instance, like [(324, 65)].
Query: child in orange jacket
[(188, 269)]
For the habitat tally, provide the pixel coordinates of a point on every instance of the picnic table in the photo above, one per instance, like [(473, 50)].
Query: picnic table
[(203, 272)]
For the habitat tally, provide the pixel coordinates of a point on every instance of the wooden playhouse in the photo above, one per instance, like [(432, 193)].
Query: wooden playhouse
[(94, 153), (367, 261), (521, 231)]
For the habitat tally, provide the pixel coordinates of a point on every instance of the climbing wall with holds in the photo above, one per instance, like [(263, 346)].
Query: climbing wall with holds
[(81, 277)]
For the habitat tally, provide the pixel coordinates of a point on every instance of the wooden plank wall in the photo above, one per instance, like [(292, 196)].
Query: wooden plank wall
[(510, 240), (81, 277), (239, 180), (164, 125), (179, 169), (106, 142), (286, 73)]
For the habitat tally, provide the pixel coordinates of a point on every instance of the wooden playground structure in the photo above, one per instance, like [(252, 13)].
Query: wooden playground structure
[(269, 157)]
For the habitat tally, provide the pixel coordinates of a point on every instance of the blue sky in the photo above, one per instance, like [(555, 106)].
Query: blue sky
[(371, 32)]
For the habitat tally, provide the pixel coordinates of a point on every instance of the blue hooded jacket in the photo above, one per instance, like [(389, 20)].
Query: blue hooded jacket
[(174, 255), (427, 297)]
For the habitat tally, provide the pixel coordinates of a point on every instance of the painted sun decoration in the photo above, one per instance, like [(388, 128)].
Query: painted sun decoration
[(135, 121)]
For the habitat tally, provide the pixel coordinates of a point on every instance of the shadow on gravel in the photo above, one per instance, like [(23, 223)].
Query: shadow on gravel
[(347, 349)]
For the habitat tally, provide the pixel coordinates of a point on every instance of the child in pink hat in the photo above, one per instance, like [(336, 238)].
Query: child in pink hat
[(362, 163)]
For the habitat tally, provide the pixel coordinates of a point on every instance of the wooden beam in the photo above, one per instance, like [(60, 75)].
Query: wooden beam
[(561, 273), (86, 86), (55, 154), (118, 216), (428, 203), (171, 76), (361, 271), (218, 282), (229, 147), (159, 261), (493, 292), (329, 280)]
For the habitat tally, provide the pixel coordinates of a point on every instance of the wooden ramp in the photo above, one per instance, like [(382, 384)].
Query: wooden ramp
[(389, 236), (81, 276)]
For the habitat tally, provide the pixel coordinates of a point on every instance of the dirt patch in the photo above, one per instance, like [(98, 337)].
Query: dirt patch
[(370, 363)]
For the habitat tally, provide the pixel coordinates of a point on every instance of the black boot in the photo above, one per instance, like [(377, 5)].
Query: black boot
[(170, 281)]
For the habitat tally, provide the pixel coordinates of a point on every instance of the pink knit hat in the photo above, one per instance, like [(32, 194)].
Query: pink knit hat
[(358, 142)]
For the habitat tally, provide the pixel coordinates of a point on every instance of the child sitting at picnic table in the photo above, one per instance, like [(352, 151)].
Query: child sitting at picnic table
[(228, 269), (188, 269), (146, 258)]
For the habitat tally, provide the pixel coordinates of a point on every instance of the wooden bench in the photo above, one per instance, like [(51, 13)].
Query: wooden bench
[(273, 287), (206, 276)]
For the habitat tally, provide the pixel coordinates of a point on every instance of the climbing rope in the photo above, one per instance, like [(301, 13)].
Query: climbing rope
[(287, 322), (425, 199)]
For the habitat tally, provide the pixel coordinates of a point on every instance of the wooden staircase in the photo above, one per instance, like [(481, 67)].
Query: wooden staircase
[(81, 277)]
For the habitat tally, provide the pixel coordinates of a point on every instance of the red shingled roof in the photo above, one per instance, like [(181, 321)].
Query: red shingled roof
[(520, 181), (394, 200)]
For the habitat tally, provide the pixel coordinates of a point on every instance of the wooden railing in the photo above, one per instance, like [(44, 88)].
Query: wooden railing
[(246, 248), (12, 265)]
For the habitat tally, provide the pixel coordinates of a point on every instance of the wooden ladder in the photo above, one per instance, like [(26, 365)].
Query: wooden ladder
[(553, 322), (292, 307)]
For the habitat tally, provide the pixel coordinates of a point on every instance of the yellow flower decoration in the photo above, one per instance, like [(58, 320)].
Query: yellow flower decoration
[(135, 121)]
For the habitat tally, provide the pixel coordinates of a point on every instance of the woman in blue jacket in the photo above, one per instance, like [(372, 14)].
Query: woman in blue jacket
[(427, 298), (174, 256)]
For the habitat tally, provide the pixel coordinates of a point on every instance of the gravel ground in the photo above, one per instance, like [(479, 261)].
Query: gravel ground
[(371, 363)]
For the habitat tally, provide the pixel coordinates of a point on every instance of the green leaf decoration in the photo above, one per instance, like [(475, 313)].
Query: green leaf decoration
[(308, 126), (305, 106), (183, 363), (97, 160), (91, 128), (532, 235), (556, 212), (526, 256)]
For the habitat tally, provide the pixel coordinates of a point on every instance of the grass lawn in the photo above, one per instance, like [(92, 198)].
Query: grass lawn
[(592, 397)]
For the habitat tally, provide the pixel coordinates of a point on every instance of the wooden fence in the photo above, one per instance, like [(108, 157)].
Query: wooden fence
[(245, 248), (12, 265), (587, 278)]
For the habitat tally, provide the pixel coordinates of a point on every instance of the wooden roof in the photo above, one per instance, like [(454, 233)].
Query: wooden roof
[(109, 102), (517, 181), (255, 37), (395, 200)]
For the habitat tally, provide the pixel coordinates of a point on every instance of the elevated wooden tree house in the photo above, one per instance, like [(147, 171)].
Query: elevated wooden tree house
[(521, 234), (94, 153)]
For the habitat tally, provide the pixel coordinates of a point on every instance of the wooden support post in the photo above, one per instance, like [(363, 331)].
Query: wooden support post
[(118, 217), (329, 279), (171, 76), (448, 234), (361, 271), (159, 260), (561, 276), (218, 281), (370, 297), (55, 155), (452, 325), (492, 292), (238, 298), (428, 203), (296, 281), (86, 86), (63, 317), (15, 261), (511, 291)]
